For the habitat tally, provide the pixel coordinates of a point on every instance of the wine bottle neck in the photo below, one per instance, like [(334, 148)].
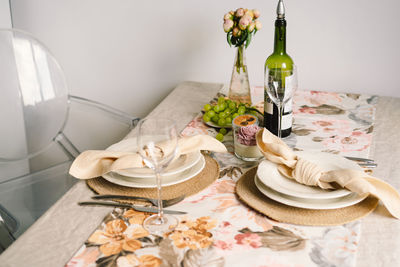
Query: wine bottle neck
[(280, 37)]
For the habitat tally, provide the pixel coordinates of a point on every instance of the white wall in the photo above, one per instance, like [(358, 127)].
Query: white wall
[(130, 54), (5, 15)]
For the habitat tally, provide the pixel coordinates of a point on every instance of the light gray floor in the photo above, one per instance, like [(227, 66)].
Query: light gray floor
[(28, 198)]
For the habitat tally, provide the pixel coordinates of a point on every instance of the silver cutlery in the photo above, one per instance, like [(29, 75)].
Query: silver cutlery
[(130, 206), (367, 163), (165, 202), (361, 159)]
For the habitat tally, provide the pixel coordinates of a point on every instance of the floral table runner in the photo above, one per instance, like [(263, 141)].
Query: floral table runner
[(219, 230)]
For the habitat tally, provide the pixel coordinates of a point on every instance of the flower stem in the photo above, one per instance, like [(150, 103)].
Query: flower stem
[(239, 59)]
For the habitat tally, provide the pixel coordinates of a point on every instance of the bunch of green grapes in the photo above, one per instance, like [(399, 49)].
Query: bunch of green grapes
[(225, 110)]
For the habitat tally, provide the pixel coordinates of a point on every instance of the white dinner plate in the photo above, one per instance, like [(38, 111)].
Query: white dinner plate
[(151, 183), (269, 175), (182, 163), (319, 204)]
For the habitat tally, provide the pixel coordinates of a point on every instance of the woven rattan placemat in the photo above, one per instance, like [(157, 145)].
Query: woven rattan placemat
[(249, 194), (206, 177)]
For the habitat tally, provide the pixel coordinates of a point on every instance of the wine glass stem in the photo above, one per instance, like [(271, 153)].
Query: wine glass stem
[(280, 113), (160, 213)]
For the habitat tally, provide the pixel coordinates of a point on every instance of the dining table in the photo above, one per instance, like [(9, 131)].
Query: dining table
[(62, 230)]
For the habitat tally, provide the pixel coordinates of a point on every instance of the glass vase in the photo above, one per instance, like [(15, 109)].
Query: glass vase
[(239, 88)]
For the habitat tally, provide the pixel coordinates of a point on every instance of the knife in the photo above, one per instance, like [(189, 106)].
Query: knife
[(367, 163), (361, 159), (122, 205)]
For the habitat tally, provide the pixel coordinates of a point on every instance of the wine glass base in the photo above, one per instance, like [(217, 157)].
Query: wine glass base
[(157, 225)]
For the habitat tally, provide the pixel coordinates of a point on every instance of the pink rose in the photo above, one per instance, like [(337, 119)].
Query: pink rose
[(244, 22), (239, 12), (228, 24), (258, 25), (256, 13), (236, 32), (250, 14), (251, 27), (227, 16)]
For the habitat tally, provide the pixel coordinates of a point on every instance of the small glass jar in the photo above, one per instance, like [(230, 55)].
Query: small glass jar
[(245, 128)]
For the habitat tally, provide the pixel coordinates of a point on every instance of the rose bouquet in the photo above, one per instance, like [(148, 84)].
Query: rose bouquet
[(240, 25)]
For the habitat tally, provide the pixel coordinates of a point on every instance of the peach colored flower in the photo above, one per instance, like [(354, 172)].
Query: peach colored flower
[(248, 239), (239, 12), (250, 14), (252, 26), (256, 13), (185, 223), (111, 248), (228, 24), (258, 25), (191, 238), (205, 223), (193, 234), (138, 232), (113, 238), (228, 16), (244, 22), (236, 32), (132, 260), (136, 217)]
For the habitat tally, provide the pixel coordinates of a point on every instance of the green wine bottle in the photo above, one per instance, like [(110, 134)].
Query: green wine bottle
[(279, 59)]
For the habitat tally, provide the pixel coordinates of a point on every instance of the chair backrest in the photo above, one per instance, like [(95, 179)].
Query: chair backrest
[(34, 96), (33, 111)]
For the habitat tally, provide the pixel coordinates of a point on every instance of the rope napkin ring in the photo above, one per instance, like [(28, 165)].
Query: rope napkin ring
[(95, 163), (308, 173)]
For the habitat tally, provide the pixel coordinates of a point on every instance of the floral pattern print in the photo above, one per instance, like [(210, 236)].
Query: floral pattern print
[(335, 246), (193, 234), (219, 230), (333, 122)]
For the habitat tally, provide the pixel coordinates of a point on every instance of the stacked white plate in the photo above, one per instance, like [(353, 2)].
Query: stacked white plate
[(181, 169), (287, 191)]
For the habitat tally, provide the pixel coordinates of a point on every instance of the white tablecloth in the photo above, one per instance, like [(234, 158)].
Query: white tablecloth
[(56, 236)]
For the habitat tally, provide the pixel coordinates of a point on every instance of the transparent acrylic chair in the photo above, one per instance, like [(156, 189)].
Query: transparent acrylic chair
[(35, 110)]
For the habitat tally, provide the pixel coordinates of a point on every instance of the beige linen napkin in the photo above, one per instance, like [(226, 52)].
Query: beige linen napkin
[(94, 163), (308, 173)]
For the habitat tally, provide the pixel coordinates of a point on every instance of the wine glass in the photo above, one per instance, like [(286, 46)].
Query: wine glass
[(280, 85), (157, 144)]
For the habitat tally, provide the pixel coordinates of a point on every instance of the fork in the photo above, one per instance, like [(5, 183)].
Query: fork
[(165, 202), (367, 163)]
